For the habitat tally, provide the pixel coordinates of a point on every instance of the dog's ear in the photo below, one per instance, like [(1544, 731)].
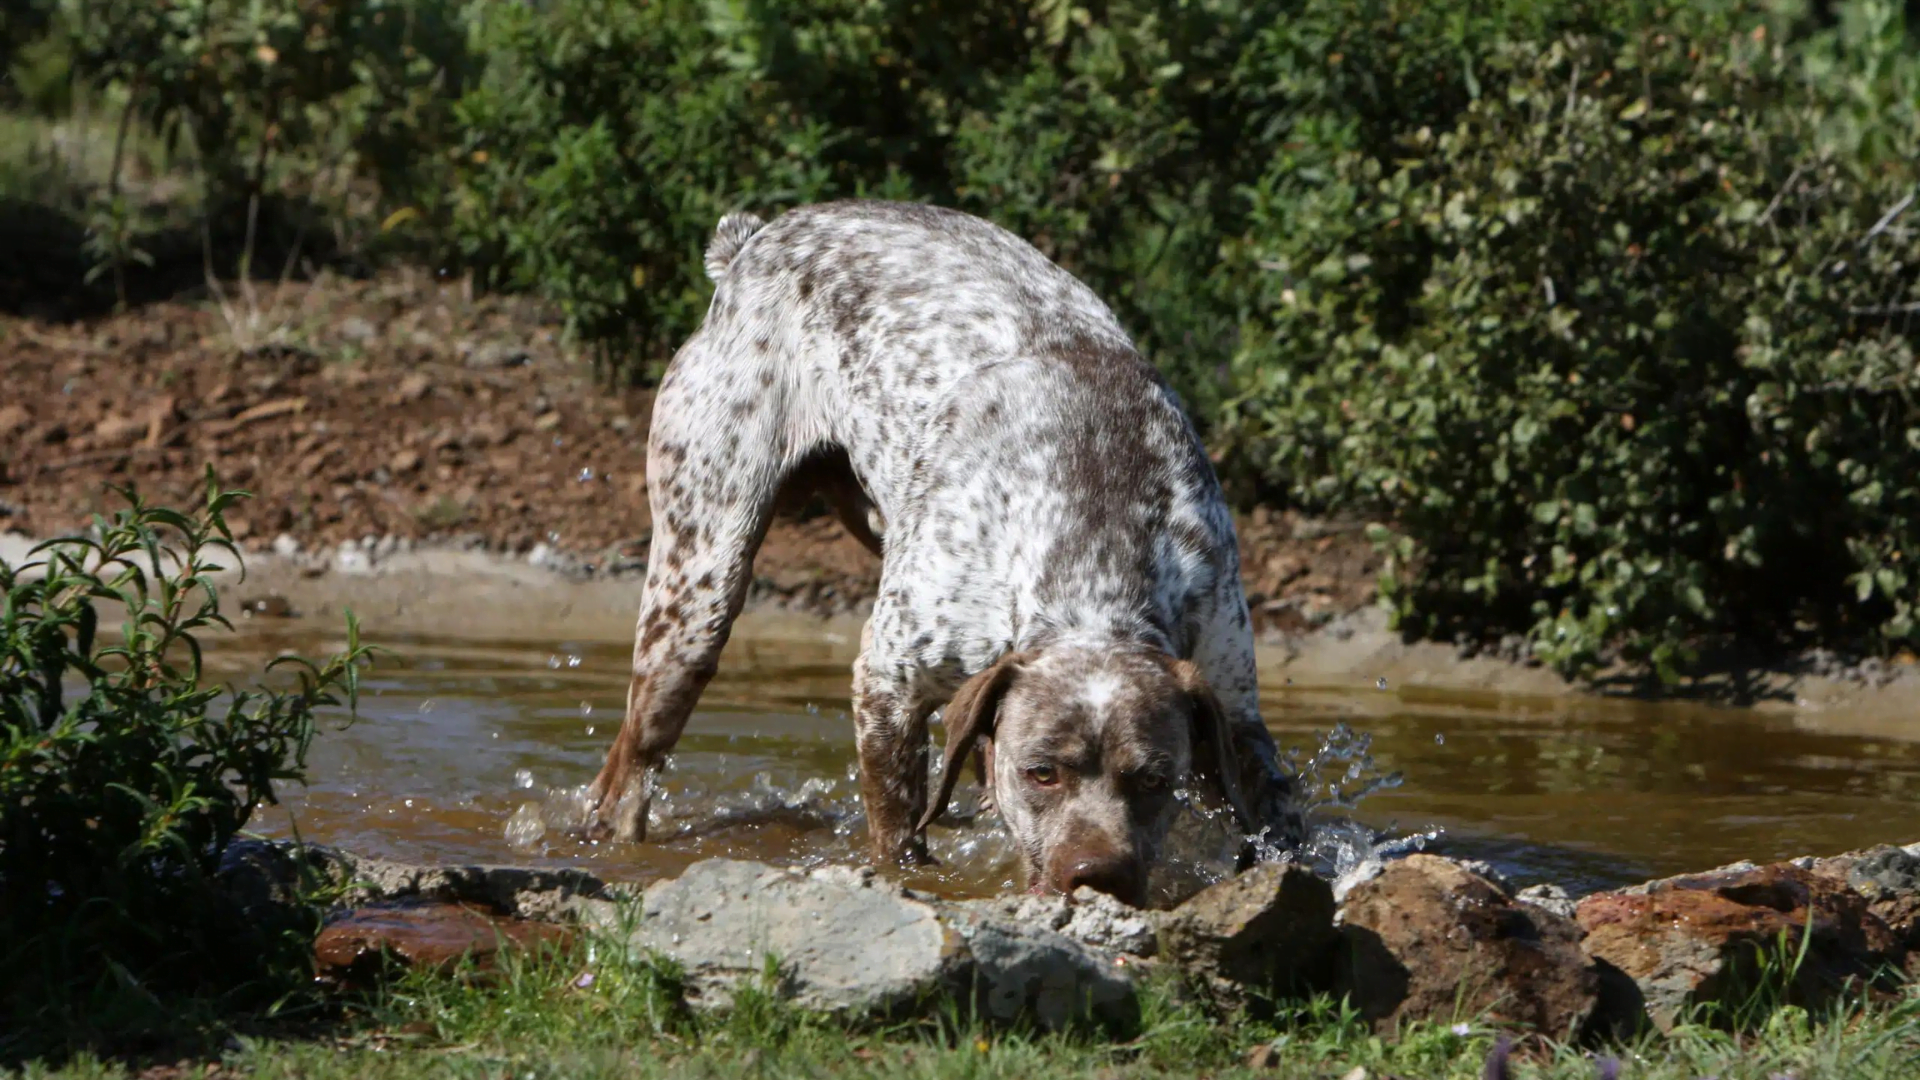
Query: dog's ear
[(968, 718), (1213, 746)]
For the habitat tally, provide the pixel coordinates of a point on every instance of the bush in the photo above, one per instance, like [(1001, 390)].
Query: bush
[(1626, 352), (123, 777), (1590, 303)]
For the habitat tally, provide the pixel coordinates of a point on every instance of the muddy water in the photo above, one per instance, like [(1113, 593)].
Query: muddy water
[(471, 751)]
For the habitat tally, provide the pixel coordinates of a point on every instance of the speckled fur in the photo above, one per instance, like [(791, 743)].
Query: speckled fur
[(978, 416)]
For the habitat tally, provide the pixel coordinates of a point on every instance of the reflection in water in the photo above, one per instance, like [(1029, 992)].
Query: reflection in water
[(475, 752)]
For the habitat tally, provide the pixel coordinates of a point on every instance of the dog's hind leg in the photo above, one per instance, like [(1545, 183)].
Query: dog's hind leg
[(715, 461)]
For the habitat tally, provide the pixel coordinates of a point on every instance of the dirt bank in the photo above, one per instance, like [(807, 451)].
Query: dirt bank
[(406, 409)]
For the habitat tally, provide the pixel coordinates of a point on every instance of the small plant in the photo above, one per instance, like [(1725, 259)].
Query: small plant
[(443, 513), (124, 777)]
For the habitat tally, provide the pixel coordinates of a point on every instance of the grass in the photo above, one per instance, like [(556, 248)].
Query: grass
[(594, 1011)]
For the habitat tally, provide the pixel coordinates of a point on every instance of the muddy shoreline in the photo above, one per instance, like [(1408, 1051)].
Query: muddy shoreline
[(478, 595)]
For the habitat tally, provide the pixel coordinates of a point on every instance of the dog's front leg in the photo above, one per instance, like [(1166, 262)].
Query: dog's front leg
[(890, 731)]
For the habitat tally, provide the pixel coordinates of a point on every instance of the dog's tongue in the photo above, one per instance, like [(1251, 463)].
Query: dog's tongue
[(1037, 889)]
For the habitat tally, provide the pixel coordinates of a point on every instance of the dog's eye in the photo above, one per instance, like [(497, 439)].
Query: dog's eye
[(1150, 781), (1044, 775)]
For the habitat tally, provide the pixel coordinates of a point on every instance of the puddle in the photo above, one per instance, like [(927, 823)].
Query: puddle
[(474, 752)]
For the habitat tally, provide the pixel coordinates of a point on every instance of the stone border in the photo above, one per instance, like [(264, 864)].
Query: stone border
[(1420, 938)]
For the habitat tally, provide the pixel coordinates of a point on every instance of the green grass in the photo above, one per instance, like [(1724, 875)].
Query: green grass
[(595, 1012)]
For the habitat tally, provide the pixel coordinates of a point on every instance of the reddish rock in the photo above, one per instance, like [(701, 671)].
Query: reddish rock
[(1699, 940), (439, 935), (1429, 939)]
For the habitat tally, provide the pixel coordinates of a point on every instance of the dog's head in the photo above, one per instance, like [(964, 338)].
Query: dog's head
[(1083, 749)]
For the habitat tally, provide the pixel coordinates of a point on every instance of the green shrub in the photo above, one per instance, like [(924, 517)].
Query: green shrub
[(123, 776), (1590, 301), (1626, 352)]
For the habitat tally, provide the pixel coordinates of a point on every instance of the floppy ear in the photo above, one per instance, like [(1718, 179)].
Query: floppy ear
[(968, 717), (1213, 756)]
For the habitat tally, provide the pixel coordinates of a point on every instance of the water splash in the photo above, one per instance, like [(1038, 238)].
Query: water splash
[(973, 849)]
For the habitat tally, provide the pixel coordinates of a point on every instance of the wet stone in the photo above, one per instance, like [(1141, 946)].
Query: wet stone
[(1428, 939), (1702, 941), (1267, 930), (362, 943), (847, 943)]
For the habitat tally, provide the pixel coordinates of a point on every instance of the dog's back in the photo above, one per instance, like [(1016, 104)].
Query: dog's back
[(1037, 484)]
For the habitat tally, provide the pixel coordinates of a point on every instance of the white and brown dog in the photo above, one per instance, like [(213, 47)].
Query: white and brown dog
[(1060, 569)]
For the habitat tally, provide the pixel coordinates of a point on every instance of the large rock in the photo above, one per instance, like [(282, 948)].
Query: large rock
[(1700, 940), (1427, 939), (848, 943), (1263, 932), (836, 941)]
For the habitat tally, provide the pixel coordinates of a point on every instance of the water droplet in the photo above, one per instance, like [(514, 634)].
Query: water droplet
[(553, 537), (426, 706), (553, 661), (408, 803), (573, 661), (586, 476), (586, 709), (1439, 739), (525, 827), (523, 778), (1381, 684), (589, 729)]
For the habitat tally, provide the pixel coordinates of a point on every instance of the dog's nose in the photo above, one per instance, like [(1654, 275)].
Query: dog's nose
[(1117, 876)]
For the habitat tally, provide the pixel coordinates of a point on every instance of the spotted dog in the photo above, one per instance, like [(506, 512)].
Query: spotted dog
[(1060, 570)]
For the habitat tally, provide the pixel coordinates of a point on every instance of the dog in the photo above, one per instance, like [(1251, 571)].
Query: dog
[(1059, 567)]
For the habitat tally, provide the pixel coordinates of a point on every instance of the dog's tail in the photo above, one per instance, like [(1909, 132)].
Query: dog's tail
[(729, 237)]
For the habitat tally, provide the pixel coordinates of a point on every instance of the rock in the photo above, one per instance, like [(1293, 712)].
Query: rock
[(352, 559), (1022, 972), (358, 945), (1268, 929), (1428, 939), (1551, 897), (844, 942), (498, 354), (1089, 917), (570, 896), (412, 388), (847, 943), (262, 874), (355, 330), (270, 606), (13, 418), (116, 431), (286, 546), (404, 462), (1698, 940), (1889, 879)]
